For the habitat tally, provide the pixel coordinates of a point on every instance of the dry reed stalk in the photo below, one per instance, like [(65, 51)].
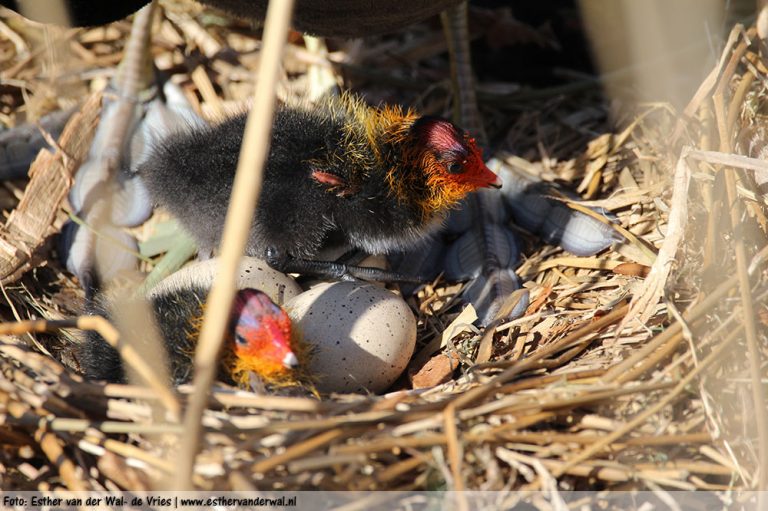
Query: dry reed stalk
[(131, 451), (762, 22), (748, 308), (301, 449), (426, 440), (455, 451), (644, 303), (220, 398), (535, 359), (624, 372), (712, 358), (545, 438), (725, 121), (537, 382), (54, 450), (709, 83), (112, 337), (245, 194)]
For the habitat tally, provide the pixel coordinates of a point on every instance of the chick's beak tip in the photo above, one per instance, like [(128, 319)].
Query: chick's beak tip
[(491, 178), (290, 361)]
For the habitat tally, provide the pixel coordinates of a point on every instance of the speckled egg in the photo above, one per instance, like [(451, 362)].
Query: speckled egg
[(253, 273), (362, 336)]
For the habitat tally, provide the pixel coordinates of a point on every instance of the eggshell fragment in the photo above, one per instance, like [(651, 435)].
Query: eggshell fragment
[(362, 336), (253, 273)]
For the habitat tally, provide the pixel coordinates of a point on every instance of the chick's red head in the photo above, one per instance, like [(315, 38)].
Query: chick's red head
[(451, 160), (262, 338)]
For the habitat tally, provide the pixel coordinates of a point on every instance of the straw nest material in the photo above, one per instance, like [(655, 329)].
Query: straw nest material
[(627, 371)]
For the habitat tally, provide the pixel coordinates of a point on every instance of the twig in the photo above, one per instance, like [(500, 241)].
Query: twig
[(534, 361), (654, 357), (508, 405), (551, 438), (22, 50), (733, 160), (50, 180), (83, 425), (454, 448), (245, 194), (623, 371), (403, 467), (51, 446), (53, 449), (220, 397), (758, 395), (762, 21), (112, 337), (131, 451), (644, 303), (710, 82), (640, 418), (300, 449)]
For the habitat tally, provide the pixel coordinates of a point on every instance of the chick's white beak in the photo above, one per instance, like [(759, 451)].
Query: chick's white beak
[(290, 361), (490, 178)]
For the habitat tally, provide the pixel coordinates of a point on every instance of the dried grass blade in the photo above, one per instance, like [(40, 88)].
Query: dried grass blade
[(245, 194), (713, 357), (643, 305)]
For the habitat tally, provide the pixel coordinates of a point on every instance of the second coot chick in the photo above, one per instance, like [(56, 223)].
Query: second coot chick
[(258, 339)]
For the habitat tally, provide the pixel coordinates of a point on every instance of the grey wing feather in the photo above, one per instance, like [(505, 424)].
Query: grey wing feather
[(19, 146)]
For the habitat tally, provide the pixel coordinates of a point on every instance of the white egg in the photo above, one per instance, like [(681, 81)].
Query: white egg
[(362, 336), (254, 273)]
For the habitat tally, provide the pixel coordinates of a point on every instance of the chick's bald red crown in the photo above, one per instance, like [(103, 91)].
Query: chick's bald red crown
[(262, 330), (456, 151)]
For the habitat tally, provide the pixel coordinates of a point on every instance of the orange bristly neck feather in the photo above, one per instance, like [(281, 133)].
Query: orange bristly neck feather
[(391, 125), (438, 191), (423, 180), (366, 127), (414, 176)]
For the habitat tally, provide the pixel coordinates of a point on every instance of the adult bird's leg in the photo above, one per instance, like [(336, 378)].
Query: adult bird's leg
[(286, 263), (489, 289), (98, 185), (465, 111)]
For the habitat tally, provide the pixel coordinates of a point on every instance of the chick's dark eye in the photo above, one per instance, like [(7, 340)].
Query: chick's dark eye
[(456, 167), (240, 340)]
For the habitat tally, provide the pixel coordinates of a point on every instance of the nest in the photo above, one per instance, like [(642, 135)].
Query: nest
[(627, 371)]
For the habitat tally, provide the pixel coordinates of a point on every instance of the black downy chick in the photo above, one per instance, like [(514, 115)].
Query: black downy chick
[(338, 172)]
